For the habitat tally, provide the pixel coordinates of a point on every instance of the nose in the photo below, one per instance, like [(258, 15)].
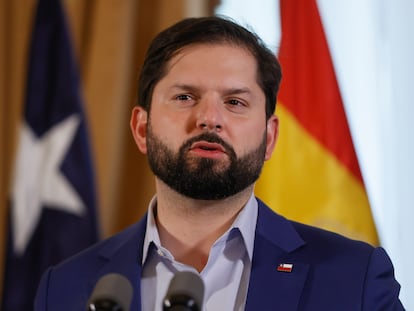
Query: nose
[(209, 115)]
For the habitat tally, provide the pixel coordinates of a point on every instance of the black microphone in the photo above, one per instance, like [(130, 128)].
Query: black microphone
[(185, 293), (112, 292)]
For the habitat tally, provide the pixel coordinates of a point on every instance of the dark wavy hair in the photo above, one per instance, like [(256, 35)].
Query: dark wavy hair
[(207, 30)]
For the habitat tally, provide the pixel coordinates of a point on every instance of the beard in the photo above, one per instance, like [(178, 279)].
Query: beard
[(204, 178)]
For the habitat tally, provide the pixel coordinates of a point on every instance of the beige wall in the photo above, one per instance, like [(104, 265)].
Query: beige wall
[(110, 38)]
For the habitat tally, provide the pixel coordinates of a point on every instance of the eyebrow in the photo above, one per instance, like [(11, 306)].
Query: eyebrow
[(229, 91), (184, 87)]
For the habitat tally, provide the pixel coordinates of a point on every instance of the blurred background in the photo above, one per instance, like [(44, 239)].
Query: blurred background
[(370, 44)]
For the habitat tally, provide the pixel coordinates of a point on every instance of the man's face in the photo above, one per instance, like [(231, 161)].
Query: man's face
[(201, 177), (207, 135)]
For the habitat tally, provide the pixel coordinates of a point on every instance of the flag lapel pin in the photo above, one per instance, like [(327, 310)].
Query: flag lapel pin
[(285, 267)]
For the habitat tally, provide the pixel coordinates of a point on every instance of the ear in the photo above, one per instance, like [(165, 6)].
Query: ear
[(138, 124), (272, 135)]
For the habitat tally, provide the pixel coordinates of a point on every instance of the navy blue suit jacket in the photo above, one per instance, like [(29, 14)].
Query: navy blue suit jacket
[(329, 272)]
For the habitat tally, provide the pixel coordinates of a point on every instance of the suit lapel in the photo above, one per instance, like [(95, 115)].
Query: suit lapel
[(275, 243), (124, 256)]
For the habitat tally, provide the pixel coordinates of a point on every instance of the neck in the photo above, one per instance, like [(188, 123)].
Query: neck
[(189, 227)]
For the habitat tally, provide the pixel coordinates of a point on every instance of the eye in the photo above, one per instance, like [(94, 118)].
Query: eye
[(183, 97), (183, 100), (235, 102), (237, 105)]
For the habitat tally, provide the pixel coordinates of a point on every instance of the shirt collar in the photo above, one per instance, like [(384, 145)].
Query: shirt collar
[(151, 233), (245, 222)]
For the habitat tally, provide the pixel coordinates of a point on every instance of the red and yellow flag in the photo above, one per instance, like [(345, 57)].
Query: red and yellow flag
[(314, 176)]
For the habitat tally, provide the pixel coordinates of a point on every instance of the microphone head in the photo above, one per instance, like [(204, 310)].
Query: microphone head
[(185, 292), (112, 292)]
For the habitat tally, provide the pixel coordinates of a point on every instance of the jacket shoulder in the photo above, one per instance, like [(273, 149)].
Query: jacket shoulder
[(68, 285), (104, 248)]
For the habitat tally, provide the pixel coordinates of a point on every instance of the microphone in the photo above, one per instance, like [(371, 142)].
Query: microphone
[(185, 292), (112, 292)]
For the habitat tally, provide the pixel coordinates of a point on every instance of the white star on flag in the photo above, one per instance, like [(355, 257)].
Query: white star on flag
[(38, 180)]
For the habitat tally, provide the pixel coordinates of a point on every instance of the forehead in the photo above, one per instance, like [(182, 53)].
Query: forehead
[(211, 49), (216, 60)]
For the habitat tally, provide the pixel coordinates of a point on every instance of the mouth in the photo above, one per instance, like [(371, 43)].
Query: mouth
[(207, 149)]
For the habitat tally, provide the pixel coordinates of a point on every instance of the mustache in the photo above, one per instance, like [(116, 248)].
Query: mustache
[(208, 137)]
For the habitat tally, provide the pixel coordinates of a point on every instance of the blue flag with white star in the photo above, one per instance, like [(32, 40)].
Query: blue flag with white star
[(53, 212)]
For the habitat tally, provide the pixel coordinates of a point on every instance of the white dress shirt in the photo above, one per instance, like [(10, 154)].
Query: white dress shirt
[(226, 274)]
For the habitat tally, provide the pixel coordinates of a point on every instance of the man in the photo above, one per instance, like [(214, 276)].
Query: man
[(207, 95)]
